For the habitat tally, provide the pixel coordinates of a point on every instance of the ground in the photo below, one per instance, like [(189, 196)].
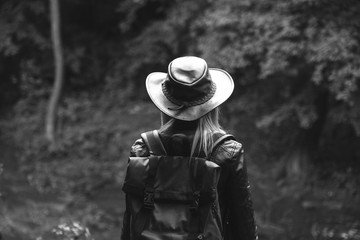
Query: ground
[(30, 208)]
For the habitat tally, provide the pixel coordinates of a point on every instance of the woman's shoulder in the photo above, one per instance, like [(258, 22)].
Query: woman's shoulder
[(232, 145), (229, 151), (139, 149)]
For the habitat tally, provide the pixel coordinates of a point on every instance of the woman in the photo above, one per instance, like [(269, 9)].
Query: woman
[(188, 96)]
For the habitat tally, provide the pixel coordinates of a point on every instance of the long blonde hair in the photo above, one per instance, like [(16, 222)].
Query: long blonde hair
[(206, 127)]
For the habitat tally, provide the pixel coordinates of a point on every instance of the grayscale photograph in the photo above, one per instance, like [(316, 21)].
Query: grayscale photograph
[(180, 120)]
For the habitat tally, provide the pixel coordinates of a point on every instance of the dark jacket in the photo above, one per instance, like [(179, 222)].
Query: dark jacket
[(233, 188)]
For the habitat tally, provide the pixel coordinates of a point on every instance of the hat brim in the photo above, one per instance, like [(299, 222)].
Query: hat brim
[(224, 88)]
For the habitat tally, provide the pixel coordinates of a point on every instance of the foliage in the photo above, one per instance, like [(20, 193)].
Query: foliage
[(81, 181), (69, 231), (168, 33), (297, 47), (296, 68), (91, 39), (295, 64), (16, 32), (95, 145), (22, 34)]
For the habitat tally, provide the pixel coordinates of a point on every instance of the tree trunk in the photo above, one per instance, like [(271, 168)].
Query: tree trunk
[(59, 72)]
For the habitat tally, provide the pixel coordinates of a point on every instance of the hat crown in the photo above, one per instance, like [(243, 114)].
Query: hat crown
[(189, 82), (189, 89), (187, 70)]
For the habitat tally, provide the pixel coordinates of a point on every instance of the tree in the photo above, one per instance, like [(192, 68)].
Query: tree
[(22, 45), (297, 65), (59, 72), (157, 32)]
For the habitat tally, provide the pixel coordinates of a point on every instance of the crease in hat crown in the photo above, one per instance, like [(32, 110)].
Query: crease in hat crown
[(187, 70)]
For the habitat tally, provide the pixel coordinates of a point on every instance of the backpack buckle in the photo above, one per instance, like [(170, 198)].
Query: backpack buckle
[(149, 198), (200, 237), (196, 200)]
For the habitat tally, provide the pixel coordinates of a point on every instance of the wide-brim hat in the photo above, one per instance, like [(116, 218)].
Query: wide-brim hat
[(189, 89)]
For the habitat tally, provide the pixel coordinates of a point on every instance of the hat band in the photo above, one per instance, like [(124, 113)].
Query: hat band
[(195, 102)]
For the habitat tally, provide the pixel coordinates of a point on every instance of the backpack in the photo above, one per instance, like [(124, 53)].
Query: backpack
[(173, 197)]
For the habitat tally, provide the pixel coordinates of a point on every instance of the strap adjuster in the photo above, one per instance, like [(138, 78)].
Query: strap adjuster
[(195, 201), (149, 198)]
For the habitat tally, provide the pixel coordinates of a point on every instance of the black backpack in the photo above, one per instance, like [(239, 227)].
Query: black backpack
[(173, 197)]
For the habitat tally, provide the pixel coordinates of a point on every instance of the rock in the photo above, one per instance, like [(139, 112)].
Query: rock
[(71, 231)]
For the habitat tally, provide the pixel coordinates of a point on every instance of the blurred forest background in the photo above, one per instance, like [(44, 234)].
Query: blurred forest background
[(296, 107)]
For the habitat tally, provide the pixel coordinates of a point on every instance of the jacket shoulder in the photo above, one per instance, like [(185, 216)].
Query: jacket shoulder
[(228, 152), (139, 149)]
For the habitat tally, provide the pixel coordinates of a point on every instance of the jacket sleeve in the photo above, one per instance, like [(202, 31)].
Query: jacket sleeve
[(125, 232), (138, 149), (241, 220)]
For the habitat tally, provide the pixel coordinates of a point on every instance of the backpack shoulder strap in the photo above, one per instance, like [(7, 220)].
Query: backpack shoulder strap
[(153, 143), (156, 148), (219, 138)]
